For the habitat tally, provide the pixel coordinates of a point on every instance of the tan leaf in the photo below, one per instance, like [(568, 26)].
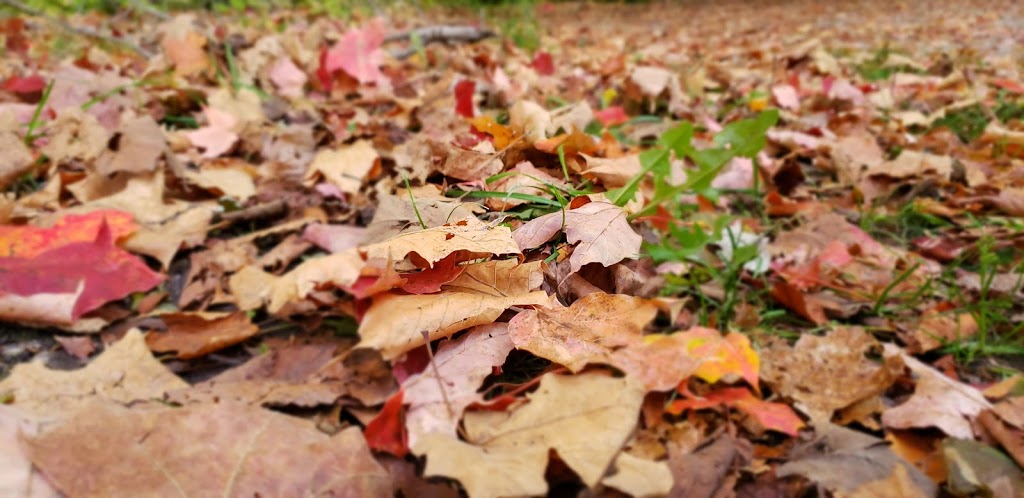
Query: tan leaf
[(659, 364), (347, 167), (218, 136), (224, 177), (613, 172), (471, 235), (640, 477), (588, 331), (469, 165), (499, 278), (223, 449), (251, 287), (340, 269), (395, 214), (17, 476), (187, 52), (15, 161), (140, 143), (938, 329), (938, 401), (585, 418), (195, 334), (124, 373), (75, 135), (437, 398), (825, 374), (304, 375), (394, 324)]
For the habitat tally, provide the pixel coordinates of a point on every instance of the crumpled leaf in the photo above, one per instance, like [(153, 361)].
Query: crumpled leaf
[(599, 229), (585, 418), (243, 451), (124, 373)]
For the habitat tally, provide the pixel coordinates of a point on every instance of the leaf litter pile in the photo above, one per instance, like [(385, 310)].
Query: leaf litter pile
[(741, 250)]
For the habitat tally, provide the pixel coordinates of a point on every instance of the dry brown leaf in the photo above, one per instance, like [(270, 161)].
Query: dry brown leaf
[(825, 374), (347, 167), (16, 160), (124, 373), (338, 270), (897, 485), (438, 396), (223, 449), (185, 48), (659, 364), (396, 215), (251, 287), (17, 476), (589, 331), (938, 401), (613, 172), (936, 330), (195, 334), (585, 418)]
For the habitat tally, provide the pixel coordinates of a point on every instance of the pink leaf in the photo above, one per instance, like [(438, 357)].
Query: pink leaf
[(358, 53), (611, 116), (786, 97), (217, 136), (26, 84), (288, 78)]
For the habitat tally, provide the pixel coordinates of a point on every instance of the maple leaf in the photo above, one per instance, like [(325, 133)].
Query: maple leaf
[(722, 357), (543, 63), (464, 98), (25, 84), (358, 53), (26, 241), (437, 397), (771, 416), (287, 77), (59, 285), (218, 135), (386, 432), (154, 451), (585, 418), (599, 229), (611, 116)]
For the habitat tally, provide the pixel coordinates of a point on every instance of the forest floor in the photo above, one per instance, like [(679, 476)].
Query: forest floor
[(755, 249)]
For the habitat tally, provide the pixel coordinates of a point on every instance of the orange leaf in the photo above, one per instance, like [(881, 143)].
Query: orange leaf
[(30, 241), (501, 134), (386, 432), (722, 356), (772, 416)]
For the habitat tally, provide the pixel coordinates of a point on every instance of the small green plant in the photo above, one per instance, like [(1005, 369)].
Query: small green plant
[(968, 123)]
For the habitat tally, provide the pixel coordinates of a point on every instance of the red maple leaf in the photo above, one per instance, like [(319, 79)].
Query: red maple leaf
[(387, 432)]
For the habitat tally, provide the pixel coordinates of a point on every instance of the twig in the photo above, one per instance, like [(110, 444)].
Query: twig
[(437, 375), (440, 33), (259, 211), (83, 31)]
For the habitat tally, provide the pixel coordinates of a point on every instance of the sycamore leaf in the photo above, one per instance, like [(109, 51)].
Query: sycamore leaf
[(243, 450), (59, 285), (599, 229), (588, 331), (437, 398), (358, 53), (124, 373), (585, 418), (218, 136), (195, 334)]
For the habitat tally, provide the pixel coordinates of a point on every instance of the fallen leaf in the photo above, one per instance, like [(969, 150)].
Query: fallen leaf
[(27, 241), (588, 331), (218, 136), (58, 286), (704, 473), (386, 432), (897, 485), (470, 235), (347, 167), (154, 451), (585, 418), (439, 395), (338, 270), (135, 148), (192, 335), (358, 53), (938, 401), (660, 362), (599, 229), (978, 469), (185, 48), (334, 238), (770, 416), (124, 373), (825, 374), (288, 78), (464, 98), (640, 477), (17, 476), (728, 357)]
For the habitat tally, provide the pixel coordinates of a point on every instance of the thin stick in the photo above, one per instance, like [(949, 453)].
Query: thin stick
[(437, 375), (86, 32)]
